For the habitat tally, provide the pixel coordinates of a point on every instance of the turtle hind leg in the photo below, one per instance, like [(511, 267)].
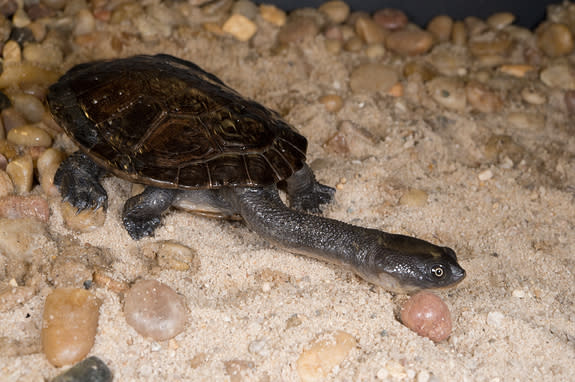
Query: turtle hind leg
[(78, 179), (305, 193), (142, 213)]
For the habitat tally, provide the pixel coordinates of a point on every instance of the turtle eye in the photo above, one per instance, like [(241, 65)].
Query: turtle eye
[(438, 271)]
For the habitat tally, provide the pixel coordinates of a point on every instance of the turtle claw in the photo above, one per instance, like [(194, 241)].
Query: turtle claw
[(311, 201), (140, 227), (80, 186)]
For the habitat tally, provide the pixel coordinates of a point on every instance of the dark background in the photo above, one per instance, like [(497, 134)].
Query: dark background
[(528, 13)]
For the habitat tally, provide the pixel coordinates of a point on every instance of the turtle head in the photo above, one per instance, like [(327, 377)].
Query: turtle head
[(406, 264)]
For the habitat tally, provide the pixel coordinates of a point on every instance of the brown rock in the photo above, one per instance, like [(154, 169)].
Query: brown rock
[(409, 42), (390, 18), (70, 322), (427, 315), (370, 31), (298, 29), (372, 77), (555, 39), (441, 27), (482, 98)]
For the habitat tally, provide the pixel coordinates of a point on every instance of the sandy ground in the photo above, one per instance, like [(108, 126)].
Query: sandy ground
[(514, 318)]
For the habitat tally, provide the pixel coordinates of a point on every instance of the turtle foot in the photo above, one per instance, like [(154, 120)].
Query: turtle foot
[(139, 227), (143, 212), (311, 200), (77, 178)]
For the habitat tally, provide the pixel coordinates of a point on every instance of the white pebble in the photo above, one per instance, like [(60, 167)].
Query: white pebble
[(495, 319), (485, 175), (519, 293)]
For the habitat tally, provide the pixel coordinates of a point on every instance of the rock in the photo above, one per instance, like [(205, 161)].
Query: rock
[(448, 92), (84, 22), (369, 31), (84, 221), (29, 135), (427, 315), (92, 369), (409, 42), (332, 102), (155, 310), (21, 171), (69, 325), (273, 14), (500, 20), (28, 106), (390, 18), (375, 51), (297, 30), (336, 11), (459, 34), (324, 353), (516, 70), (534, 97), (47, 165), (6, 186), (441, 27), (482, 98), (44, 55), (172, 255), (559, 76), (494, 46), (245, 8), (372, 77), (17, 206), (425, 71), (240, 27), (526, 120), (26, 73), (555, 39), (569, 98), (413, 198)]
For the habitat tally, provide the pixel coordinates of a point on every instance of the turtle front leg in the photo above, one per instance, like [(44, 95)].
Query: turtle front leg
[(143, 213), (305, 193), (78, 179)]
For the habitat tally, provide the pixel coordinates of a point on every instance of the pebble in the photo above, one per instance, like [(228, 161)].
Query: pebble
[(29, 135), (171, 255), (534, 97), (485, 175), (21, 171), (155, 310), (12, 119), (44, 55), (390, 18), (353, 44), (555, 39), (559, 76), (18, 206), (500, 20), (441, 27), (482, 98), (526, 120), (516, 70), (323, 354), (409, 42), (92, 369), (103, 280), (449, 63), (245, 8), (495, 319), (273, 14), (372, 77), (12, 53), (333, 46), (297, 30), (29, 107), (239, 26), (26, 73), (369, 31), (84, 221), (425, 71), (375, 51), (448, 92), (84, 22), (427, 315), (459, 34), (69, 325), (6, 185), (337, 11), (47, 165), (332, 102), (498, 46), (569, 98), (413, 198)]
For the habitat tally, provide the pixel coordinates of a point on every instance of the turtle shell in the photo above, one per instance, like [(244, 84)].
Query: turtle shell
[(163, 121)]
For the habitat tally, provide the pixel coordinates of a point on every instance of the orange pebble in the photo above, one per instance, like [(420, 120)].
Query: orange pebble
[(427, 315)]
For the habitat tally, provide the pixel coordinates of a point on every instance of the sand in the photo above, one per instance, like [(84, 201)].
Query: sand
[(513, 316)]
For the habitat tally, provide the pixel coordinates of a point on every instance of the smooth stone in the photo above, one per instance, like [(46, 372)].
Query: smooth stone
[(534, 97), (6, 185), (413, 198), (555, 39), (482, 98), (497, 46), (559, 76), (44, 55), (245, 8), (409, 42), (459, 34), (427, 315), (353, 44), (332, 102), (500, 20), (92, 369), (172, 255), (239, 26), (297, 30), (526, 120), (448, 92), (449, 62), (425, 71), (323, 354), (390, 18), (84, 221), (441, 27), (372, 77), (29, 135), (47, 164), (375, 51), (370, 31), (155, 310), (29, 106), (69, 325), (273, 14), (84, 22), (337, 11), (21, 171), (517, 70)]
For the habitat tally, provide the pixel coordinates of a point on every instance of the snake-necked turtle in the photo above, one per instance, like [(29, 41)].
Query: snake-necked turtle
[(166, 123)]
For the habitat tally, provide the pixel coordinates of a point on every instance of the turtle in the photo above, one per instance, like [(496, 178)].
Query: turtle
[(194, 141)]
